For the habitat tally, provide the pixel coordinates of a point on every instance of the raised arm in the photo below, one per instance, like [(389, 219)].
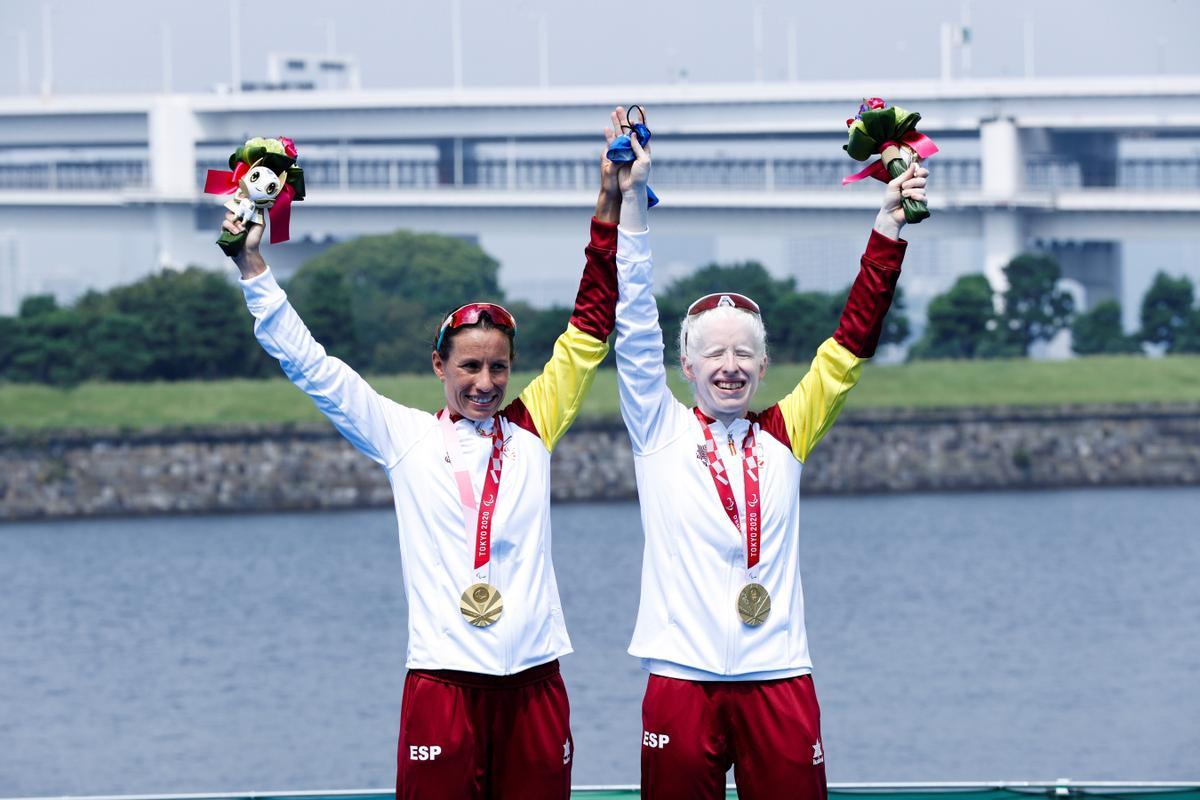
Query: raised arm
[(550, 403), (805, 415), (372, 423), (646, 400)]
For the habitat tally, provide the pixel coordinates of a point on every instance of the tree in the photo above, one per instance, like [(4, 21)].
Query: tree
[(116, 348), (327, 311), (10, 331), (1034, 309), (393, 292), (193, 321), (45, 346), (959, 321), (1167, 312), (1188, 338), (538, 329), (1099, 331), (797, 323), (36, 305), (896, 326), (748, 277)]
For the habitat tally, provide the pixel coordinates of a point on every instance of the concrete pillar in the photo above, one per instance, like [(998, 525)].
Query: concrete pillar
[(172, 133), (1002, 177), (1003, 239), (172, 130), (1002, 165)]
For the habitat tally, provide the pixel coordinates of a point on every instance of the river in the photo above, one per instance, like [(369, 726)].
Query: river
[(956, 637)]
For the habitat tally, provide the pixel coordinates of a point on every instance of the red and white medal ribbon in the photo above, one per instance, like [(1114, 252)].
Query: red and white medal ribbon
[(483, 512), (720, 476)]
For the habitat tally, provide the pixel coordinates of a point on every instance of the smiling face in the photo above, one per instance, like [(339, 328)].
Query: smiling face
[(475, 372), (724, 361), (262, 185)]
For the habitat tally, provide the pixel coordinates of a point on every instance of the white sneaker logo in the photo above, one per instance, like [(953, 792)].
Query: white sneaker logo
[(818, 754), (567, 751)]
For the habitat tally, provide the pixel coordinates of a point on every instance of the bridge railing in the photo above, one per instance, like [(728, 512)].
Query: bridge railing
[(742, 174), (1145, 173), (75, 175), (571, 173), (1053, 173)]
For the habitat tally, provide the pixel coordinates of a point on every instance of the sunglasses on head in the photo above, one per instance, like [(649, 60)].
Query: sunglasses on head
[(469, 315), (719, 299)]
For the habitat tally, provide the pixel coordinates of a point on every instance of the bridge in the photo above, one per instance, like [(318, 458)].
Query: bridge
[(100, 190)]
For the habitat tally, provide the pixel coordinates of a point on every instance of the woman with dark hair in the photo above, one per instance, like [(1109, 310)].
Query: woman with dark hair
[(484, 712)]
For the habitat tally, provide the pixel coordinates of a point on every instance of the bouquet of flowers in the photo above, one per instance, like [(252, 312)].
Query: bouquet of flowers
[(265, 176), (891, 133)]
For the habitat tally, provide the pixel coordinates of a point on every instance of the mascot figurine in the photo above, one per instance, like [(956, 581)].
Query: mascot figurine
[(266, 177)]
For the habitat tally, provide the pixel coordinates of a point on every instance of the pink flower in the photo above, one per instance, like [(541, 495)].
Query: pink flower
[(289, 146), (875, 103)]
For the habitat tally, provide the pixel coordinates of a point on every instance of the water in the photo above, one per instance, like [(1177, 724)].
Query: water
[(956, 637)]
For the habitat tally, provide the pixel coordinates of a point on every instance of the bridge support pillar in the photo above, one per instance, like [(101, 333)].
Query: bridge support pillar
[(1002, 178), (173, 131), (1002, 164), (1003, 240)]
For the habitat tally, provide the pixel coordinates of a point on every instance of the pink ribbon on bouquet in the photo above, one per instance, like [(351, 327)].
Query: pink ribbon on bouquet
[(221, 181), (918, 142), (281, 214)]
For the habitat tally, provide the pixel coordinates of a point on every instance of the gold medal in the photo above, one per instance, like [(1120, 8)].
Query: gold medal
[(481, 604), (754, 604)]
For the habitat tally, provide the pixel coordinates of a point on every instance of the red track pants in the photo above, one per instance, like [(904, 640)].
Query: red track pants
[(769, 731), (483, 737)]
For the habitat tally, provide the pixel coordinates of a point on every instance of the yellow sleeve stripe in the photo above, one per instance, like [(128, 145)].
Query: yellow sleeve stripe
[(553, 399), (813, 406)]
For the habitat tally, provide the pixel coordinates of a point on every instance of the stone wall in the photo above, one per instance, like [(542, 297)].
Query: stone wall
[(287, 467)]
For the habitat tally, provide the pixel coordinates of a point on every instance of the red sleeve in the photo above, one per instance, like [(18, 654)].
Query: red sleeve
[(871, 295), (596, 302), (516, 413), (771, 421)]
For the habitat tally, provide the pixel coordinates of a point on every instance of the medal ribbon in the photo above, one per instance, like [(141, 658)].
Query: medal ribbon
[(484, 512), (716, 468)]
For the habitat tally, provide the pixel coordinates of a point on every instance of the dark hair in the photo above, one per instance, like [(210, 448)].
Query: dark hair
[(483, 323)]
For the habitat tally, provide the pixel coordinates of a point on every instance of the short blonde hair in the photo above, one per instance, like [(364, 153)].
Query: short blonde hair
[(693, 329)]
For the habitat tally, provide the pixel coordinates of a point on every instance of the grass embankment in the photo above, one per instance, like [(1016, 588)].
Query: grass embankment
[(1117, 379)]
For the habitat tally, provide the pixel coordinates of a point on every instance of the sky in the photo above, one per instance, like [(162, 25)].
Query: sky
[(118, 45)]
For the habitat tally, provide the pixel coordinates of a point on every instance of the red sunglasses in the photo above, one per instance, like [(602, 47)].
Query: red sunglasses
[(469, 315), (719, 299)]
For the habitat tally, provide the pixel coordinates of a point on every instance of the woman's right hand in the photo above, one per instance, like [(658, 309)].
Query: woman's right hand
[(633, 176), (249, 261)]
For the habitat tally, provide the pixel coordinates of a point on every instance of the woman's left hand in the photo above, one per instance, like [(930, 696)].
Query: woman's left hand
[(608, 205), (609, 171)]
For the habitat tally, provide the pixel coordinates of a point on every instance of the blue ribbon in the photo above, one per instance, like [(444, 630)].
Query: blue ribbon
[(621, 152)]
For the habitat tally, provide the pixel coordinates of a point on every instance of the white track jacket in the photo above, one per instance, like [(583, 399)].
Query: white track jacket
[(694, 563), (436, 553)]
